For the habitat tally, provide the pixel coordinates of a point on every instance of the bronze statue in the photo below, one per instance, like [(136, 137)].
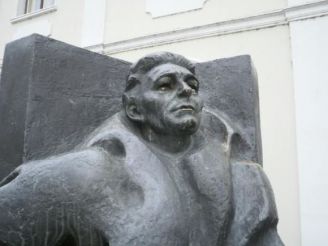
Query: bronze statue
[(157, 173)]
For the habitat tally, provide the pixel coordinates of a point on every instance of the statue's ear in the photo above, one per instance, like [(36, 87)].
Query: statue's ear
[(129, 101), (131, 109)]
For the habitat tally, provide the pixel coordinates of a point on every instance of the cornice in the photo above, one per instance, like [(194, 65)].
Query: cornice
[(261, 21)]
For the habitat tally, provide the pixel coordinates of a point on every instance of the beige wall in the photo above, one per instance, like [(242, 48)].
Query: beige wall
[(268, 47), (67, 24), (63, 24), (127, 19), (7, 11)]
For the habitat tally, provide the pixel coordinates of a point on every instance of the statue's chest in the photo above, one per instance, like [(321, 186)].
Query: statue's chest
[(185, 201)]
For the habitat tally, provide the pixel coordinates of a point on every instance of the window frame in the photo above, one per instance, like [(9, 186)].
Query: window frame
[(29, 6), (25, 9)]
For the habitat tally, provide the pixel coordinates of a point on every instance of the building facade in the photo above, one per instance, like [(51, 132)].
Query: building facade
[(287, 40)]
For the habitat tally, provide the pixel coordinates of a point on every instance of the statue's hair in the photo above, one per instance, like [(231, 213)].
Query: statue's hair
[(148, 62)]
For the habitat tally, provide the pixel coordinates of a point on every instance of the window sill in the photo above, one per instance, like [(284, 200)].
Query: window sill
[(33, 14)]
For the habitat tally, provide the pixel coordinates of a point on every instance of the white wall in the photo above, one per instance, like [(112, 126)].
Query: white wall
[(310, 51)]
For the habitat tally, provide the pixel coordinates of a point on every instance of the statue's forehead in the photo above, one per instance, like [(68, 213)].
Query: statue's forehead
[(167, 68)]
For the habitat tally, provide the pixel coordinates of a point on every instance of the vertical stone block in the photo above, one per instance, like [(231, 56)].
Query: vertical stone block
[(53, 94)]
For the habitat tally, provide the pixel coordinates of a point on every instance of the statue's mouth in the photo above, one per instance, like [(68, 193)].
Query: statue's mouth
[(185, 108)]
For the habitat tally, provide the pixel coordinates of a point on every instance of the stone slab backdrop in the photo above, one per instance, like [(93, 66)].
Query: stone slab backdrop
[(53, 94)]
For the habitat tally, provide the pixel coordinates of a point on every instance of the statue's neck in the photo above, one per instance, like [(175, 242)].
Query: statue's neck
[(169, 143)]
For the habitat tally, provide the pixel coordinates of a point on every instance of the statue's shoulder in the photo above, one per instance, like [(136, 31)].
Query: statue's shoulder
[(111, 135)]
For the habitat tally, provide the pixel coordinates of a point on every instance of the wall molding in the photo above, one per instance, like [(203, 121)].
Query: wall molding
[(261, 21), (306, 11)]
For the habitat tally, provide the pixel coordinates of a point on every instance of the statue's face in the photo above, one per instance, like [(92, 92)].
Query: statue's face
[(169, 100)]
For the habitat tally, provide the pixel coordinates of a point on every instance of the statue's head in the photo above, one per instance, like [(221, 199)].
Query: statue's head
[(162, 94)]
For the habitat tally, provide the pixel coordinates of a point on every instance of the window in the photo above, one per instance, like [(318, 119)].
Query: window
[(30, 6)]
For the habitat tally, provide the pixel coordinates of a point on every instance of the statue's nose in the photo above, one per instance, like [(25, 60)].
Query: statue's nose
[(185, 89)]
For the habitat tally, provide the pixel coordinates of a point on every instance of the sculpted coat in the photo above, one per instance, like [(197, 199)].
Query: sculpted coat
[(105, 192)]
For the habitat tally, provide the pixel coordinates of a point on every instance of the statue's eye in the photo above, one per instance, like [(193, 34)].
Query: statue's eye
[(164, 83), (194, 84), (164, 87)]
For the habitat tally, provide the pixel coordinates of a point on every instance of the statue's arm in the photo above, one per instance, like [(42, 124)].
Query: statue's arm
[(255, 216), (41, 202)]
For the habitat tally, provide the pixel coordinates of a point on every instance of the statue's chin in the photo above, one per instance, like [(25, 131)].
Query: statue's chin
[(185, 127), (175, 126)]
